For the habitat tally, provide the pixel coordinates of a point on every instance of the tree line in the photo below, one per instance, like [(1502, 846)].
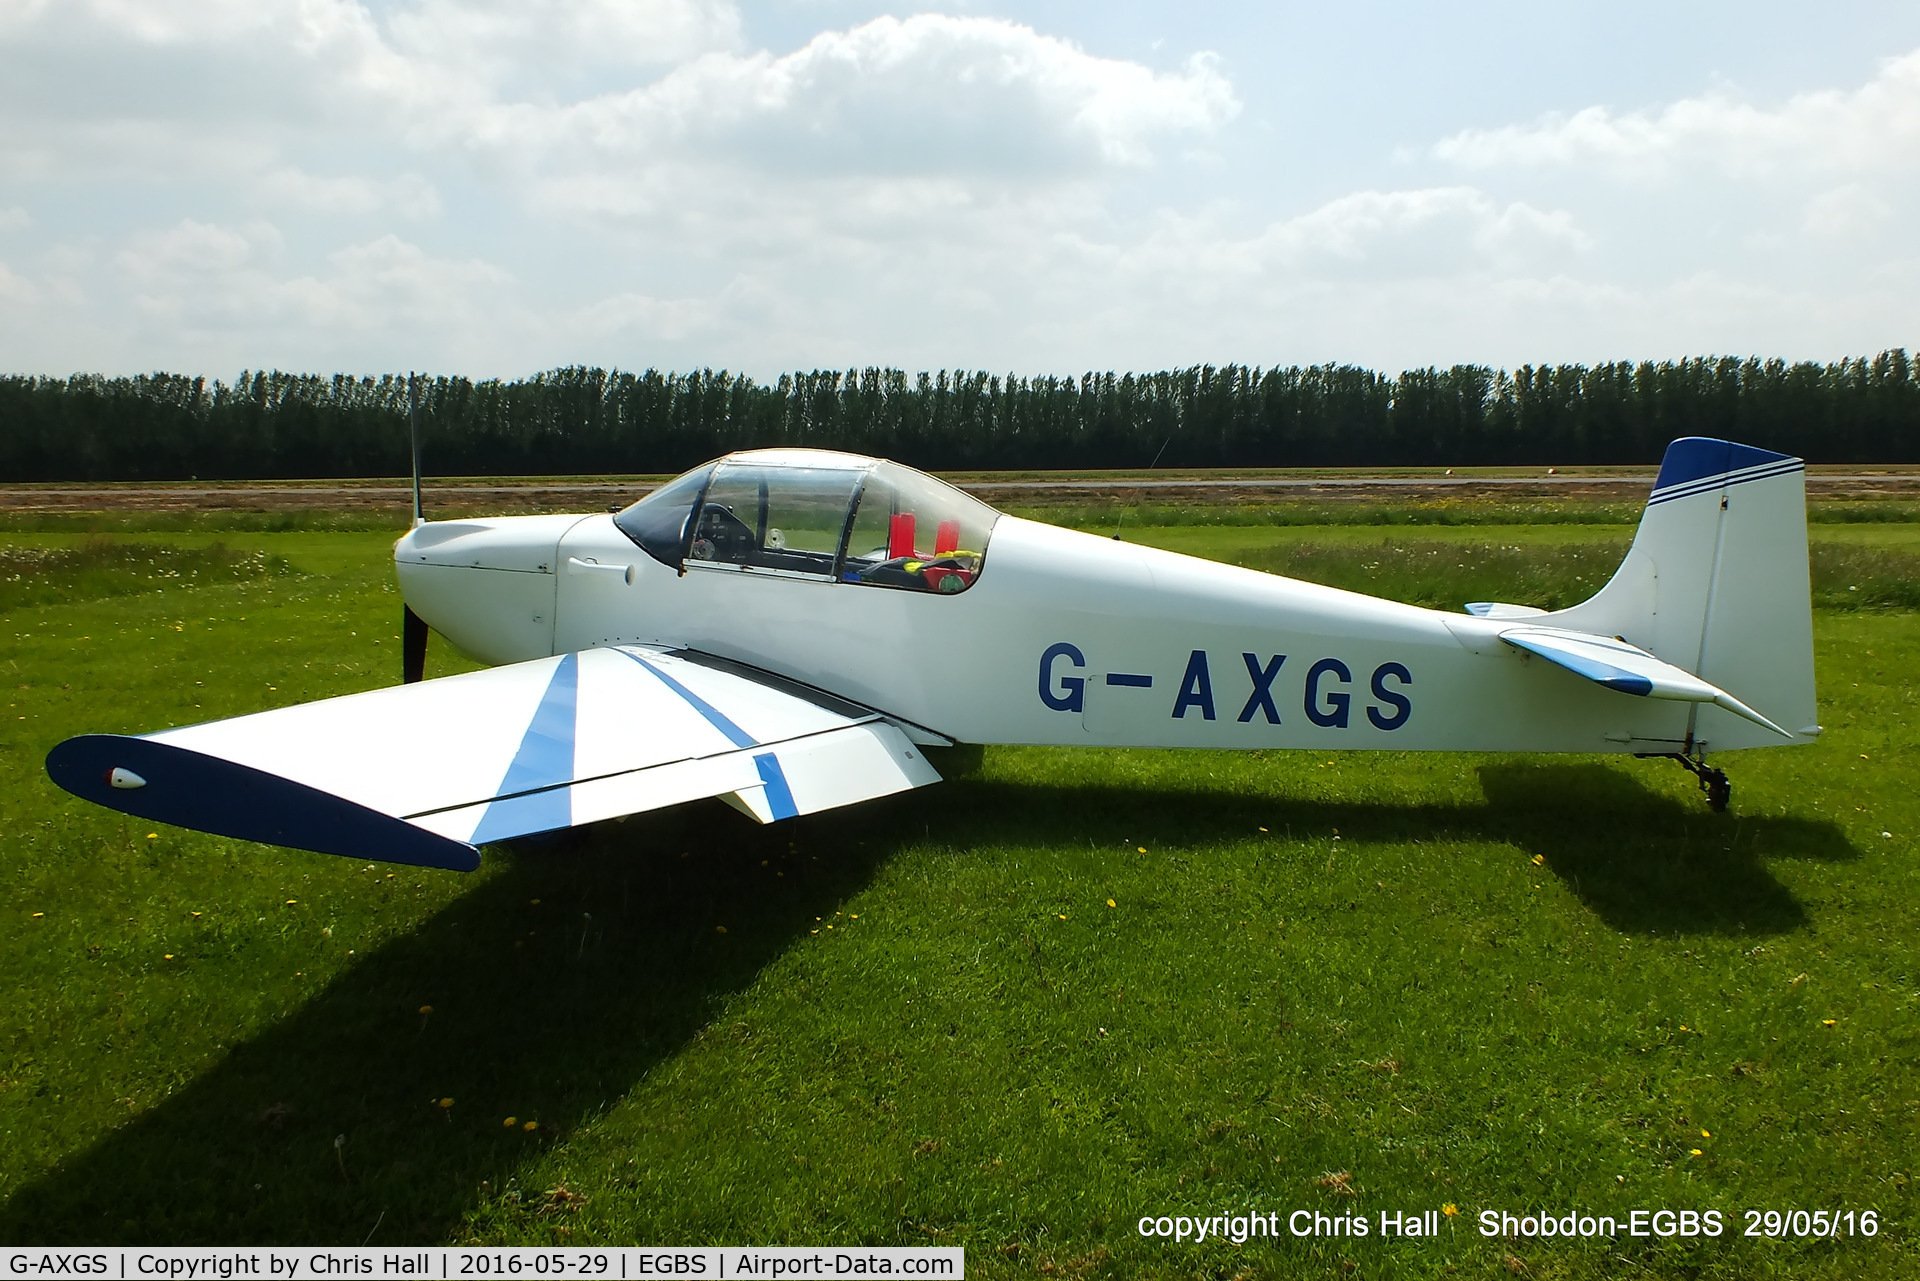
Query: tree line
[(581, 420)]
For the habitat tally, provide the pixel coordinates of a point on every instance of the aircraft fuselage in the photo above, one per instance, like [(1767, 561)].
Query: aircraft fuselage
[(1065, 639)]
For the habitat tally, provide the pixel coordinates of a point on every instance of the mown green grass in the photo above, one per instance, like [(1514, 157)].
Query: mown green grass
[(1231, 511), (99, 567), (1510, 982), (1122, 517), (1555, 575), (213, 521)]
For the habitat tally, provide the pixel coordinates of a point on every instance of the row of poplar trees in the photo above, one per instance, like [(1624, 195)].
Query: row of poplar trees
[(597, 421)]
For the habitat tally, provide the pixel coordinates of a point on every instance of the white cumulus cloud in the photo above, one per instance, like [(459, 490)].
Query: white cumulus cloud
[(1872, 129), (926, 95)]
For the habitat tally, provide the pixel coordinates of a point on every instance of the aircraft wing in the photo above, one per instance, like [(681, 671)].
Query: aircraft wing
[(1617, 665), (424, 773)]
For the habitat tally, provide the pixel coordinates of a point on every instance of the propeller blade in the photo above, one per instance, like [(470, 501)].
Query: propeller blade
[(413, 647)]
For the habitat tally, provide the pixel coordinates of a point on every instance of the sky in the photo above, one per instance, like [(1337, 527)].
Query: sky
[(497, 187)]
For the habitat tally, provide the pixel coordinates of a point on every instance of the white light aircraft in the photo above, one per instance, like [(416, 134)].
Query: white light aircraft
[(787, 629)]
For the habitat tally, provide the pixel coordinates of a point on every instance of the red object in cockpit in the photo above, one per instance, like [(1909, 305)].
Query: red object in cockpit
[(900, 536)]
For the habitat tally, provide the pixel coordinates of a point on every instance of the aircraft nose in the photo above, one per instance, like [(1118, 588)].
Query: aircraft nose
[(486, 585), (519, 544)]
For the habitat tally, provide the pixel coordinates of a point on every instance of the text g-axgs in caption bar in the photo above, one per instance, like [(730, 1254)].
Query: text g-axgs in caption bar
[(697, 1263)]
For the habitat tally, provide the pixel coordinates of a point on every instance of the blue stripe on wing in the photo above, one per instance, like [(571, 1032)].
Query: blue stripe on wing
[(737, 736), (779, 795), (533, 796)]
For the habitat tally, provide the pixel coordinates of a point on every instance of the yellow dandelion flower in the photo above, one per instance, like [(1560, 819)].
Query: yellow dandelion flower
[(1826, 1022), (1694, 1151), (510, 1122), (38, 915), (1061, 915), (167, 957), (1143, 849), (426, 1009), (531, 1126), (1449, 1209), (446, 1103), (292, 901), (1111, 903), (1539, 860), (719, 929), (153, 836), (1706, 1134)]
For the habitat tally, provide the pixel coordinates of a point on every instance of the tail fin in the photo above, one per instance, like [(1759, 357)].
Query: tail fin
[(1716, 584)]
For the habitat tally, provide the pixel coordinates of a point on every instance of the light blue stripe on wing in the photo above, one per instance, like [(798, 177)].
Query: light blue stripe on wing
[(779, 795), (544, 761), (738, 736)]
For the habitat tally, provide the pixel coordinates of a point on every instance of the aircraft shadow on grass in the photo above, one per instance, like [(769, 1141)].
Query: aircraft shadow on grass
[(553, 1012)]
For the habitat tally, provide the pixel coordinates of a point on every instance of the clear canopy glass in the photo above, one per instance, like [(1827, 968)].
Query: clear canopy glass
[(774, 517), (658, 522), (914, 532), (835, 516)]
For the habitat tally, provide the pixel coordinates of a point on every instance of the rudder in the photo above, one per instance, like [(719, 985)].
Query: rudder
[(1716, 583)]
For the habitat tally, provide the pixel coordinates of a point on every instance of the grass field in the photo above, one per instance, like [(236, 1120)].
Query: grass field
[(1015, 1012)]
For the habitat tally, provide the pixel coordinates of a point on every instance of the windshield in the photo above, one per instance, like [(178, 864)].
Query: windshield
[(658, 522), (774, 517)]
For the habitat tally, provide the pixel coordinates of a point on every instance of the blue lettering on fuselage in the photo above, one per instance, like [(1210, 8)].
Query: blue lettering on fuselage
[(1402, 705), (1262, 697), (1196, 688), (1328, 709), (1071, 694), (1326, 693)]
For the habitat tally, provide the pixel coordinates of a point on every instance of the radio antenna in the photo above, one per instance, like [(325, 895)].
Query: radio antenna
[(413, 434)]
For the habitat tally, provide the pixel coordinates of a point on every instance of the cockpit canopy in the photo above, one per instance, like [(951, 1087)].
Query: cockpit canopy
[(817, 514)]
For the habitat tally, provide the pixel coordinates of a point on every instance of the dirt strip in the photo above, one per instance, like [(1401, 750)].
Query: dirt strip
[(1027, 489)]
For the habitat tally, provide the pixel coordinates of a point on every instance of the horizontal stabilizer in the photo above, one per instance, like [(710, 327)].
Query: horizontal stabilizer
[(1629, 669), (424, 773), (1496, 609)]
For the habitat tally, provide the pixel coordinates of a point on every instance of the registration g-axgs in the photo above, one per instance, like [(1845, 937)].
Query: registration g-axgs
[(55, 1263)]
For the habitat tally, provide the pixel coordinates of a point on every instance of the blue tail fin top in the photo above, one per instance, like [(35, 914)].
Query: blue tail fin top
[(1694, 458)]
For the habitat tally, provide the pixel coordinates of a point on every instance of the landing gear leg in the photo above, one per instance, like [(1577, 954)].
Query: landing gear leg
[(1714, 782)]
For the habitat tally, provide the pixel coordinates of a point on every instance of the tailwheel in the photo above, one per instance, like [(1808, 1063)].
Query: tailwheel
[(1718, 789), (1714, 782)]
